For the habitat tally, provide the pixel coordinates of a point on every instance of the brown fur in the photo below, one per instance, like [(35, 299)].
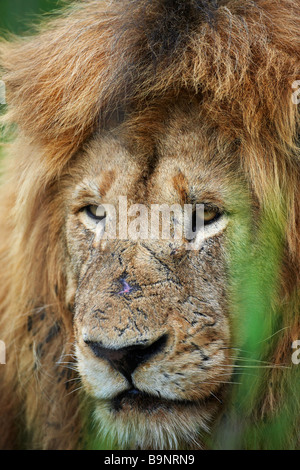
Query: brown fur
[(217, 74)]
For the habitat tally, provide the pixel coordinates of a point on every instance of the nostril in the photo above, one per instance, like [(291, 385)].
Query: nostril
[(125, 360), (145, 352)]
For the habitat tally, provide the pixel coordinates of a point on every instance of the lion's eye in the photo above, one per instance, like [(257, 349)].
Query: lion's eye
[(210, 215), (207, 217), (96, 213)]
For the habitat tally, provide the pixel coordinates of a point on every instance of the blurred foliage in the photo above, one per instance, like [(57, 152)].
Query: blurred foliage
[(256, 320), (16, 16)]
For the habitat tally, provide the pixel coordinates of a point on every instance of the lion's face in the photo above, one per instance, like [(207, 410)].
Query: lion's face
[(151, 318)]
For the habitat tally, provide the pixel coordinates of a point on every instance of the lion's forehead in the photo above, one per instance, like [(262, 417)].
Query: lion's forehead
[(182, 160)]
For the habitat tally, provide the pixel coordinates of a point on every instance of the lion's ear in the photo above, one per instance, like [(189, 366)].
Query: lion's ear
[(56, 80)]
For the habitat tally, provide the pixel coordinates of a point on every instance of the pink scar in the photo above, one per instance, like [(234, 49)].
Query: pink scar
[(126, 288)]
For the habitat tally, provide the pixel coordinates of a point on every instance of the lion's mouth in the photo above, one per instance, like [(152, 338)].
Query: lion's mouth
[(141, 401)]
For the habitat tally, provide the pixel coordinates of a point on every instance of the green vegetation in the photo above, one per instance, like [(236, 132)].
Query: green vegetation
[(257, 324), (17, 15)]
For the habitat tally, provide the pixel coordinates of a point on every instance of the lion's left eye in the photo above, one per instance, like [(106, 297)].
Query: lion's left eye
[(207, 217), (96, 213), (210, 215)]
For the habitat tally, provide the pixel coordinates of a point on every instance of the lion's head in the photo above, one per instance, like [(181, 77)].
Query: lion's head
[(136, 106)]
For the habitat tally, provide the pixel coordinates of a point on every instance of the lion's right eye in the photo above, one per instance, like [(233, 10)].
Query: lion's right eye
[(97, 213)]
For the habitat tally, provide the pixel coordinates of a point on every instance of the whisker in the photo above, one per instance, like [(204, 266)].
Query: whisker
[(74, 379), (248, 359), (220, 401), (269, 337), (75, 390), (220, 382), (69, 366), (274, 366)]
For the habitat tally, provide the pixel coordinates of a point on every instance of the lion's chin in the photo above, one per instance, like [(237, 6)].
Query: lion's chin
[(135, 420)]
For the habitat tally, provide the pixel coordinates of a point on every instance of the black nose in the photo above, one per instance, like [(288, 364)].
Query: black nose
[(126, 360)]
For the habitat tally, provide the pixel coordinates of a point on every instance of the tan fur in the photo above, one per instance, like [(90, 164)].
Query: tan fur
[(207, 103)]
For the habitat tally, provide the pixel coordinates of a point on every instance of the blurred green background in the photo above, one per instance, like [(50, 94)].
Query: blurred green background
[(17, 15)]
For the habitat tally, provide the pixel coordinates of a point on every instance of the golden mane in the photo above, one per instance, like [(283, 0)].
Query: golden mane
[(239, 58)]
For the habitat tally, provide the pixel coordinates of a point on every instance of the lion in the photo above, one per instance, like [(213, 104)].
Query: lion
[(161, 102)]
